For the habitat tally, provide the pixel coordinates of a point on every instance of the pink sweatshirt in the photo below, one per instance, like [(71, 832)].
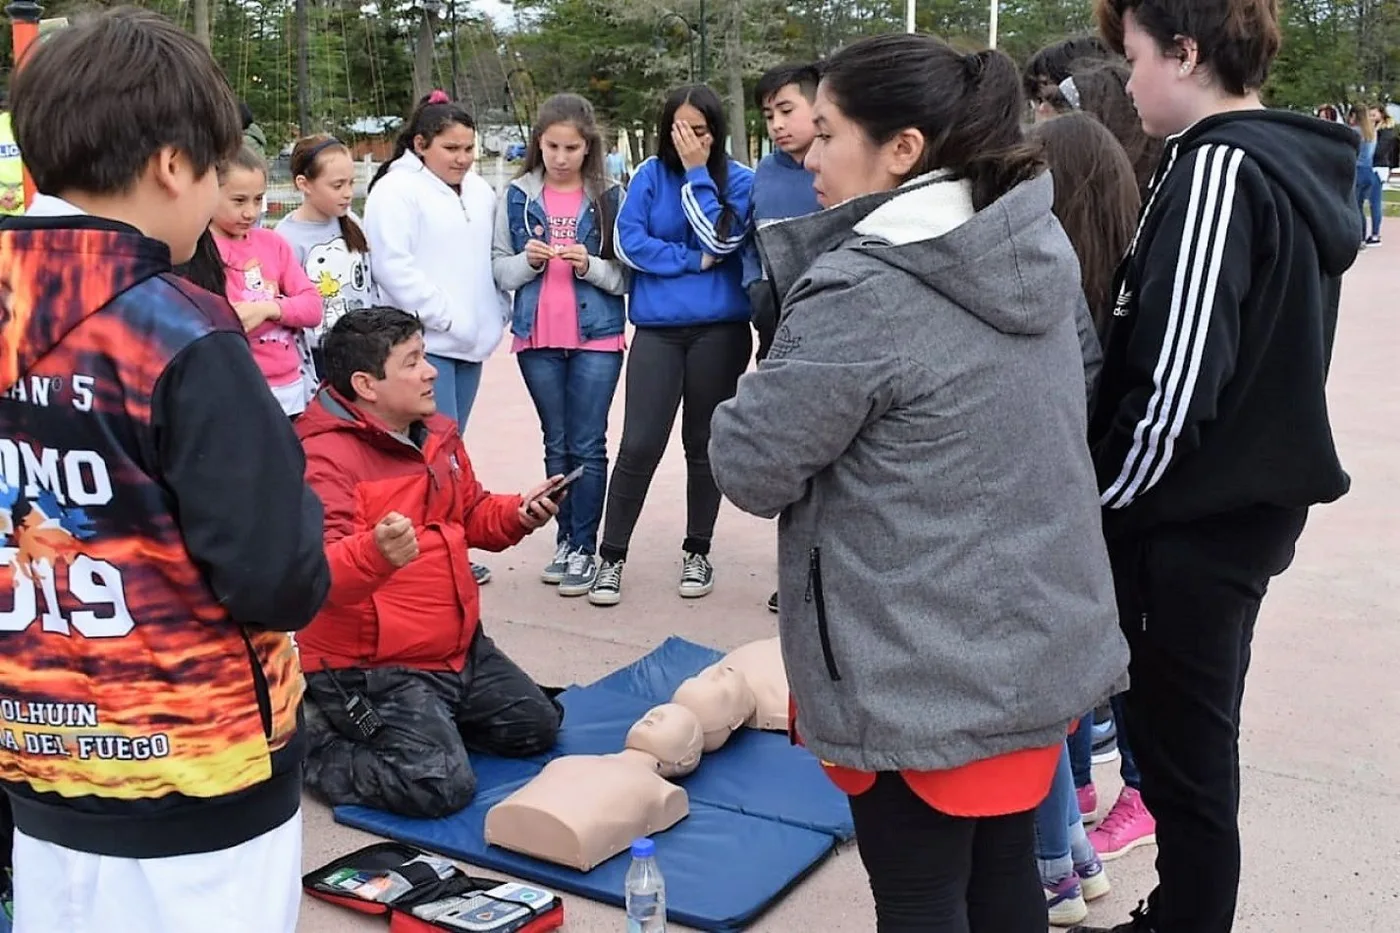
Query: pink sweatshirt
[(262, 266)]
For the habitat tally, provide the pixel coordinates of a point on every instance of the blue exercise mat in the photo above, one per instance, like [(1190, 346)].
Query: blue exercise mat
[(762, 813)]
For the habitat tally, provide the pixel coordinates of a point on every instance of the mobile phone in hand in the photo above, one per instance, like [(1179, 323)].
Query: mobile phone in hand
[(556, 492)]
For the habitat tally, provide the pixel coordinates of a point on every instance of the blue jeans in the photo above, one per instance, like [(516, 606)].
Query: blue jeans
[(572, 391), (455, 389), (1369, 191), (1059, 828), (1081, 748)]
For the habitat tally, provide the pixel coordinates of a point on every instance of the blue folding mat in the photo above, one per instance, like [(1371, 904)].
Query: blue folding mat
[(762, 813)]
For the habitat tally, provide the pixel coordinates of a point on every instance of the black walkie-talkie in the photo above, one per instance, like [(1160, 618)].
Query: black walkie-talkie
[(364, 718)]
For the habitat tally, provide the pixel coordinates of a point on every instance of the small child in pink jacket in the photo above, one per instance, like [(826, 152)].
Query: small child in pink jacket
[(264, 282)]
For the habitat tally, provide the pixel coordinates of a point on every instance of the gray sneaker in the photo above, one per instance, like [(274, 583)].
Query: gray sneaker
[(555, 570), (607, 586), (582, 571), (697, 576)]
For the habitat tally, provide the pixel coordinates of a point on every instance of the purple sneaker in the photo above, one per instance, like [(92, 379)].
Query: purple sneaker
[(1064, 901), (1093, 880)]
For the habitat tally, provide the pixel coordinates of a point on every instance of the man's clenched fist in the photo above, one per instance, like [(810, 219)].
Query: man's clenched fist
[(396, 539)]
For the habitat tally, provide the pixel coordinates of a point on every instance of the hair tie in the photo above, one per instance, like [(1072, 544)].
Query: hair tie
[(439, 97), (973, 64), (1070, 92)]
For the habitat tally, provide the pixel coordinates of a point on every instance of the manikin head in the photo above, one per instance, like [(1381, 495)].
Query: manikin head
[(671, 734), (720, 698)]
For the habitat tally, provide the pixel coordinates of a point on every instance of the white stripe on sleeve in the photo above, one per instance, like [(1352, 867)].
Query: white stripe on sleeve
[(1197, 275)]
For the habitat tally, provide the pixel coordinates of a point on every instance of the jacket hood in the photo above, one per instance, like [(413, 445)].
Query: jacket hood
[(329, 413), (1312, 160), (55, 272), (532, 183), (928, 229)]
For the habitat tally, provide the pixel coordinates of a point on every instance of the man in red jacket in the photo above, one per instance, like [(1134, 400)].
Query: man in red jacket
[(400, 679)]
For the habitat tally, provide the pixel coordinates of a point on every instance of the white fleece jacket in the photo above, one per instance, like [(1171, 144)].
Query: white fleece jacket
[(430, 252)]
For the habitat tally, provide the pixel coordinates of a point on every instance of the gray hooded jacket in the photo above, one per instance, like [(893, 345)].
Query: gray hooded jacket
[(919, 425)]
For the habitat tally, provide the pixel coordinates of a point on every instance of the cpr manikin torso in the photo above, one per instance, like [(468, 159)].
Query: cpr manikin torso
[(582, 810), (720, 698), (671, 734), (761, 663)]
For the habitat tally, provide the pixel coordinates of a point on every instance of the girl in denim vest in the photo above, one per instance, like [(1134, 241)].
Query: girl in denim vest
[(553, 248)]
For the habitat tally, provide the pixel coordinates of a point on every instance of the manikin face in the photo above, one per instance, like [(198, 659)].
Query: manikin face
[(720, 698), (451, 153), (671, 734)]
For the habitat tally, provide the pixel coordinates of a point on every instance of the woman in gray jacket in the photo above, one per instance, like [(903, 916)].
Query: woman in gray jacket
[(946, 602)]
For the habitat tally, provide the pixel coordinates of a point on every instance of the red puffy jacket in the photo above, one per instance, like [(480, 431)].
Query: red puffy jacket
[(422, 615)]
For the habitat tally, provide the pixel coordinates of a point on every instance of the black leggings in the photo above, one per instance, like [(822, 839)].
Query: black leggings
[(700, 365), (934, 873)]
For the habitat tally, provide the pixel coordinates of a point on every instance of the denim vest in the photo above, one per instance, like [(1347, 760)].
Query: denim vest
[(599, 314)]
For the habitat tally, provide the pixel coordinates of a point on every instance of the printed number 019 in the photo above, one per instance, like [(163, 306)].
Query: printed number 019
[(96, 584)]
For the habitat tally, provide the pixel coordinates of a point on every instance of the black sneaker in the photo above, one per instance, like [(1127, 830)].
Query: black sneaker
[(773, 602), (607, 585), (697, 576), (481, 574)]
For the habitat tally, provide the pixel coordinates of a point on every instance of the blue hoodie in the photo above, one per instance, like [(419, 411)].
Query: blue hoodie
[(782, 189), (666, 226)]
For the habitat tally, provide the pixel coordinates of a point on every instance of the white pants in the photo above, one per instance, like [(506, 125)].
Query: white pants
[(252, 888)]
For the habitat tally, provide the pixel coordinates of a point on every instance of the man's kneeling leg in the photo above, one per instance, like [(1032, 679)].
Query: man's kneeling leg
[(502, 709), (415, 765)]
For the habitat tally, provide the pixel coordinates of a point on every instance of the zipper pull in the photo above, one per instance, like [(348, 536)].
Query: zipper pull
[(811, 573), (1144, 622), (432, 475)]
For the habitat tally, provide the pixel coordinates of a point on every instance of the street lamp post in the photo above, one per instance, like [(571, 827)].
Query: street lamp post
[(690, 33), (24, 29)]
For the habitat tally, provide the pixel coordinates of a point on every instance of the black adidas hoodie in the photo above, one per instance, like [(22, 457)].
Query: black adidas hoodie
[(1212, 397)]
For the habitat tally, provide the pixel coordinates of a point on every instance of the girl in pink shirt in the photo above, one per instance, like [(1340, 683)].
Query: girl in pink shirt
[(264, 281), (553, 248)]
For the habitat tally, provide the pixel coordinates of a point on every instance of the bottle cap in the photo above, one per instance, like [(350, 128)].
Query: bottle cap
[(643, 848)]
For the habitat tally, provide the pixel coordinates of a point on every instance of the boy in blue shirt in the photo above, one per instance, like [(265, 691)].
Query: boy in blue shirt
[(782, 186)]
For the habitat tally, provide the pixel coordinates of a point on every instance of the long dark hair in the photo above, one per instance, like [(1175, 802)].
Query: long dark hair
[(306, 161), (968, 107), (1103, 93), (434, 114), (711, 108), (578, 113), (206, 266), (1096, 200)]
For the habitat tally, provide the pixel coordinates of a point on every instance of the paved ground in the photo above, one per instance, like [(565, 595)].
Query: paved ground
[(1322, 765)]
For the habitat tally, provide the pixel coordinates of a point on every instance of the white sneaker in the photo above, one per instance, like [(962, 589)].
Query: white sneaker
[(697, 576)]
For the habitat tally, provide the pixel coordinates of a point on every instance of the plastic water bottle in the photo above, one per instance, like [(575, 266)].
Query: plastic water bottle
[(645, 891)]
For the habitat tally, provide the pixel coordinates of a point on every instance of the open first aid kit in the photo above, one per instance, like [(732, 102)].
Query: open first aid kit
[(423, 893)]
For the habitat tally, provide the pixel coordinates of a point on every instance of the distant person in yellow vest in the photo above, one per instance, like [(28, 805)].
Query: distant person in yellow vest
[(11, 169)]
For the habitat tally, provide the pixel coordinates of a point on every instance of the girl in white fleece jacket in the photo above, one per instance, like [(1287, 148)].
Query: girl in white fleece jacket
[(429, 221)]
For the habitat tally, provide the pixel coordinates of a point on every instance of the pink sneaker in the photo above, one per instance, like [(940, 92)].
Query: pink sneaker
[(1088, 801), (1127, 826)]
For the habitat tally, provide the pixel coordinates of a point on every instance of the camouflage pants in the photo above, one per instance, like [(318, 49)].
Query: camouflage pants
[(417, 764)]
